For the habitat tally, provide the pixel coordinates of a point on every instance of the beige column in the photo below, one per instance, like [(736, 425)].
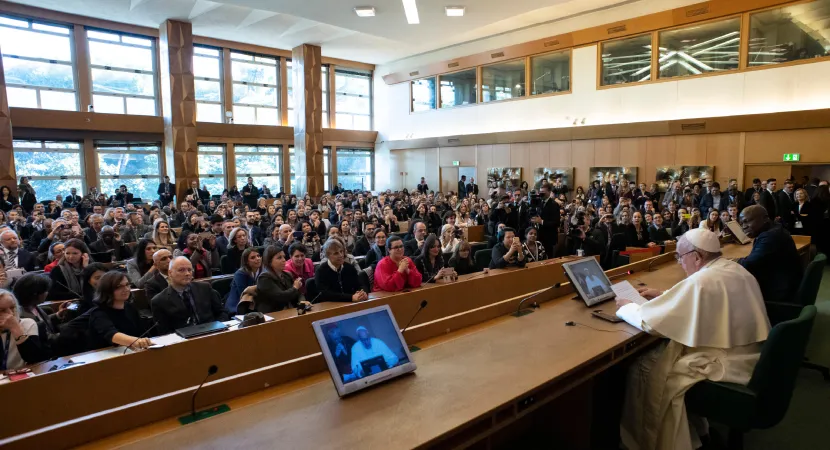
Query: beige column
[(178, 100), (308, 118), (7, 175)]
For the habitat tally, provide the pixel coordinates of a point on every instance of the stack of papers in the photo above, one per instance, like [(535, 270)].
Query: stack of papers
[(625, 290)]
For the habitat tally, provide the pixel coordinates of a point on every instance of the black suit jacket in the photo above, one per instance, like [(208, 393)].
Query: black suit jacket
[(251, 199), (154, 286), (775, 264), (25, 259), (166, 198), (72, 201), (549, 228), (410, 247), (785, 207), (770, 202), (472, 188), (462, 190), (707, 202), (170, 312)]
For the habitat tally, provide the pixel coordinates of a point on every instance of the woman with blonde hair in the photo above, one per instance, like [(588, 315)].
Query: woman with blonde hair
[(448, 240)]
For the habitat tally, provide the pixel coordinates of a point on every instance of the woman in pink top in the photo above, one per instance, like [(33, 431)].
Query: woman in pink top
[(396, 272), (299, 266)]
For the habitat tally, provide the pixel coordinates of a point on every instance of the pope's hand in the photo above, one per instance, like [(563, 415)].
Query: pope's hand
[(648, 293), (622, 302)]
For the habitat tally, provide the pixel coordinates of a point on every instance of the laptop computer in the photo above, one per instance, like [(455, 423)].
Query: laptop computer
[(738, 232), (201, 329)]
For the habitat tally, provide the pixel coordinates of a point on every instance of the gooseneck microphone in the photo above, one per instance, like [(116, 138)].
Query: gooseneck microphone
[(136, 339), (519, 312), (211, 371), (424, 304), (302, 309), (620, 275)]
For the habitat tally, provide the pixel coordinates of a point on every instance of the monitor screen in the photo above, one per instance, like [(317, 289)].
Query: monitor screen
[(363, 348), (589, 280)]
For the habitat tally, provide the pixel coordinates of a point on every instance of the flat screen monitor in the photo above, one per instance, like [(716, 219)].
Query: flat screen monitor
[(590, 282), (363, 348)]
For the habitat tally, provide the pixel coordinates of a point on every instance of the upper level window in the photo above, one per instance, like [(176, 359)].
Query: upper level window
[(697, 49), (626, 60), (37, 62), (207, 69), (123, 73), (423, 94), (353, 99), (792, 33), (550, 72), (458, 88), (53, 167), (502, 81), (255, 89)]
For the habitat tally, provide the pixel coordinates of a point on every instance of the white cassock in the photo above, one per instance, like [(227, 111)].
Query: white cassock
[(715, 321), (376, 348)]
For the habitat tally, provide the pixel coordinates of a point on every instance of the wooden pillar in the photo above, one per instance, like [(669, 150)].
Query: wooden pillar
[(308, 119), (178, 99), (7, 175)]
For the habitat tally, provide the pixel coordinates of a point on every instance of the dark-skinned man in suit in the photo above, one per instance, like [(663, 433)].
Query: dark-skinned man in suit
[(548, 220)]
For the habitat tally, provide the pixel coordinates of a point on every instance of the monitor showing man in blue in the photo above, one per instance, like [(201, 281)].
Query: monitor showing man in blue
[(364, 346)]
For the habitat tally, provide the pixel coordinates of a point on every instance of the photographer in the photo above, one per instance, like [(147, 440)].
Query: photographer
[(548, 220), (508, 252)]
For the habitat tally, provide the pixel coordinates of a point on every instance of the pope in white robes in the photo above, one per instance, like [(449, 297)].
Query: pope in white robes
[(367, 348), (714, 322)]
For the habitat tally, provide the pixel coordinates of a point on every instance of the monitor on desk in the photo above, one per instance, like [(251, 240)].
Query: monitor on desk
[(589, 280), (363, 348)]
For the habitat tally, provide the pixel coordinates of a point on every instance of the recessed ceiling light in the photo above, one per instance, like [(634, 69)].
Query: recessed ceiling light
[(411, 10), (454, 11), (365, 11)]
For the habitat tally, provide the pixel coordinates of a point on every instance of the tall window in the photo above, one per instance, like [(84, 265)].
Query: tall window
[(262, 162), (207, 68), (290, 82), (37, 62), (133, 164), (353, 99), (326, 165), (697, 49), (626, 60), (355, 168), (255, 88), (123, 73), (791, 33), (212, 167), (52, 167), (290, 100), (325, 80)]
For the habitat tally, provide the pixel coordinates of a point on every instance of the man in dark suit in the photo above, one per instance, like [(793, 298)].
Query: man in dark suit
[(364, 243), (337, 215), (548, 220), (96, 223), (714, 199), (462, 187), (122, 197), (166, 191), (423, 188), (73, 199), (774, 259), (250, 194), (612, 190), (255, 233), (786, 201), (756, 187), (769, 199), (14, 255), (413, 246), (734, 196), (472, 187), (198, 194), (185, 303), (158, 283)]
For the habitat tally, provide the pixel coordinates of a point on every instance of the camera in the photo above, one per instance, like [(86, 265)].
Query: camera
[(535, 203), (458, 233)]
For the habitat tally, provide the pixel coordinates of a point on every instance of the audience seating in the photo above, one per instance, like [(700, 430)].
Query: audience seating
[(806, 295), (311, 290), (482, 258), (225, 265), (222, 286), (764, 401)]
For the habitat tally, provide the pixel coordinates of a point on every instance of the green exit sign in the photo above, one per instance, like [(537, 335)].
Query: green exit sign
[(456, 163), (792, 157)]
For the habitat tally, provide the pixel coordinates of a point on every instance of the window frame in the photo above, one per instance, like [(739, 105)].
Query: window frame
[(72, 64), (352, 72), (741, 56), (106, 147), (477, 89), (154, 52), (220, 80), (480, 81), (746, 27), (277, 154), (223, 154), (412, 96), (529, 89), (371, 173), (277, 86), (653, 35), (42, 149)]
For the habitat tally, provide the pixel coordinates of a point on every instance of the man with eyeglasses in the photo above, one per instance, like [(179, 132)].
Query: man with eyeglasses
[(185, 303), (715, 322)]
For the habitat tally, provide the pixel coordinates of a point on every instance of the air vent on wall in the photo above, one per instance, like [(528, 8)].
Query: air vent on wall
[(496, 55), (415, 73), (617, 29), (697, 11), (697, 126), (551, 43), (451, 65), (453, 141)]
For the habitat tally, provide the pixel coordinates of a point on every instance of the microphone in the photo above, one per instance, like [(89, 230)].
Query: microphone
[(302, 309), (651, 263), (136, 339), (424, 303), (620, 275), (211, 371), (519, 312)]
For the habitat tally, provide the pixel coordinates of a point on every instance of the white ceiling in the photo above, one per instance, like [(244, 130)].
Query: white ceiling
[(332, 23)]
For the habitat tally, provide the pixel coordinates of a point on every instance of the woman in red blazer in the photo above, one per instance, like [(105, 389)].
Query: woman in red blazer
[(396, 272)]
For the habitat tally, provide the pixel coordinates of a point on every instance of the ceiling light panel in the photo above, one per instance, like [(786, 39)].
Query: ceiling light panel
[(454, 11), (364, 11), (411, 10)]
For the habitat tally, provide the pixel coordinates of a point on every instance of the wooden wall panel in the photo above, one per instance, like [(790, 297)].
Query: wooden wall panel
[(765, 171), (501, 155), (770, 146), (607, 153), (561, 154), (633, 153), (484, 153), (690, 150), (520, 157), (723, 151), (466, 156), (660, 152), (582, 157)]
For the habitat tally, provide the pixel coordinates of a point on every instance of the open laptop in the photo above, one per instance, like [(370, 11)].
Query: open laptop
[(363, 348), (738, 232), (589, 281)]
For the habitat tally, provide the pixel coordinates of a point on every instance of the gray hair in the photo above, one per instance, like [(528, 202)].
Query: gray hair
[(333, 244), (4, 293), (178, 258)]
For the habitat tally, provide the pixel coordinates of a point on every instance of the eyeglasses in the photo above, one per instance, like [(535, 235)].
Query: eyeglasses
[(679, 257), (397, 247)]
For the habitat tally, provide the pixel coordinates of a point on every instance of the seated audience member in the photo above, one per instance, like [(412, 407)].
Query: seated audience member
[(183, 302), (15, 256), (774, 260), (237, 243), (462, 259), (657, 233), (161, 265), (448, 239), (430, 262), (363, 245), (66, 277), (96, 223), (275, 290), (190, 246), (90, 276), (32, 289), (349, 259), (724, 219), (508, 252), (244, 277), (162, 235), (637, 233), (53, 256), (532, 248), (114, 320), (413, 246), (19, 338), (140, 268), (395, 272), (713, 222), (337, 281), (378, 251), (298, 266)]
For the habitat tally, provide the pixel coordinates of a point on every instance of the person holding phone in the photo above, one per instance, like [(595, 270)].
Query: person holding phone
[(508, 252), (114, 320)]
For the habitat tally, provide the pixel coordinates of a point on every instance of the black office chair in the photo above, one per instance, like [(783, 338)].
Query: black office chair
[(806, 294), (365, 283), (311, 290), (222, 286), (226, 265), (764, 401), (478, 246), (482, 259)]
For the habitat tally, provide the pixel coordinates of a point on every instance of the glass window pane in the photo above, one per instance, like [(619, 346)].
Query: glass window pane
[(344, 121), (143, 188), (137, 41), (64, 101), (257, 163), (550, 73), (272, 182), (207, 67), (352, 84), (36, 73), (503, 81), (212, 168), (113, 37), (267, 116), (50, 189), (14, 22), (626, 60), (47, 164), (290, 117), (50, 28), (207, 51), (209, 91), (121, 56), (362, 123), (253, 73), (710, 47), (23, 98), (245, 115), (141, 106), (423, 94), (352, 104), (208, 112), (792, 33), (125, 83), (354, 169), (215, 184), (254, 95), (458, 88), (242, 56), (108, 104), (211, 164), (14, 41), (128, 163)]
